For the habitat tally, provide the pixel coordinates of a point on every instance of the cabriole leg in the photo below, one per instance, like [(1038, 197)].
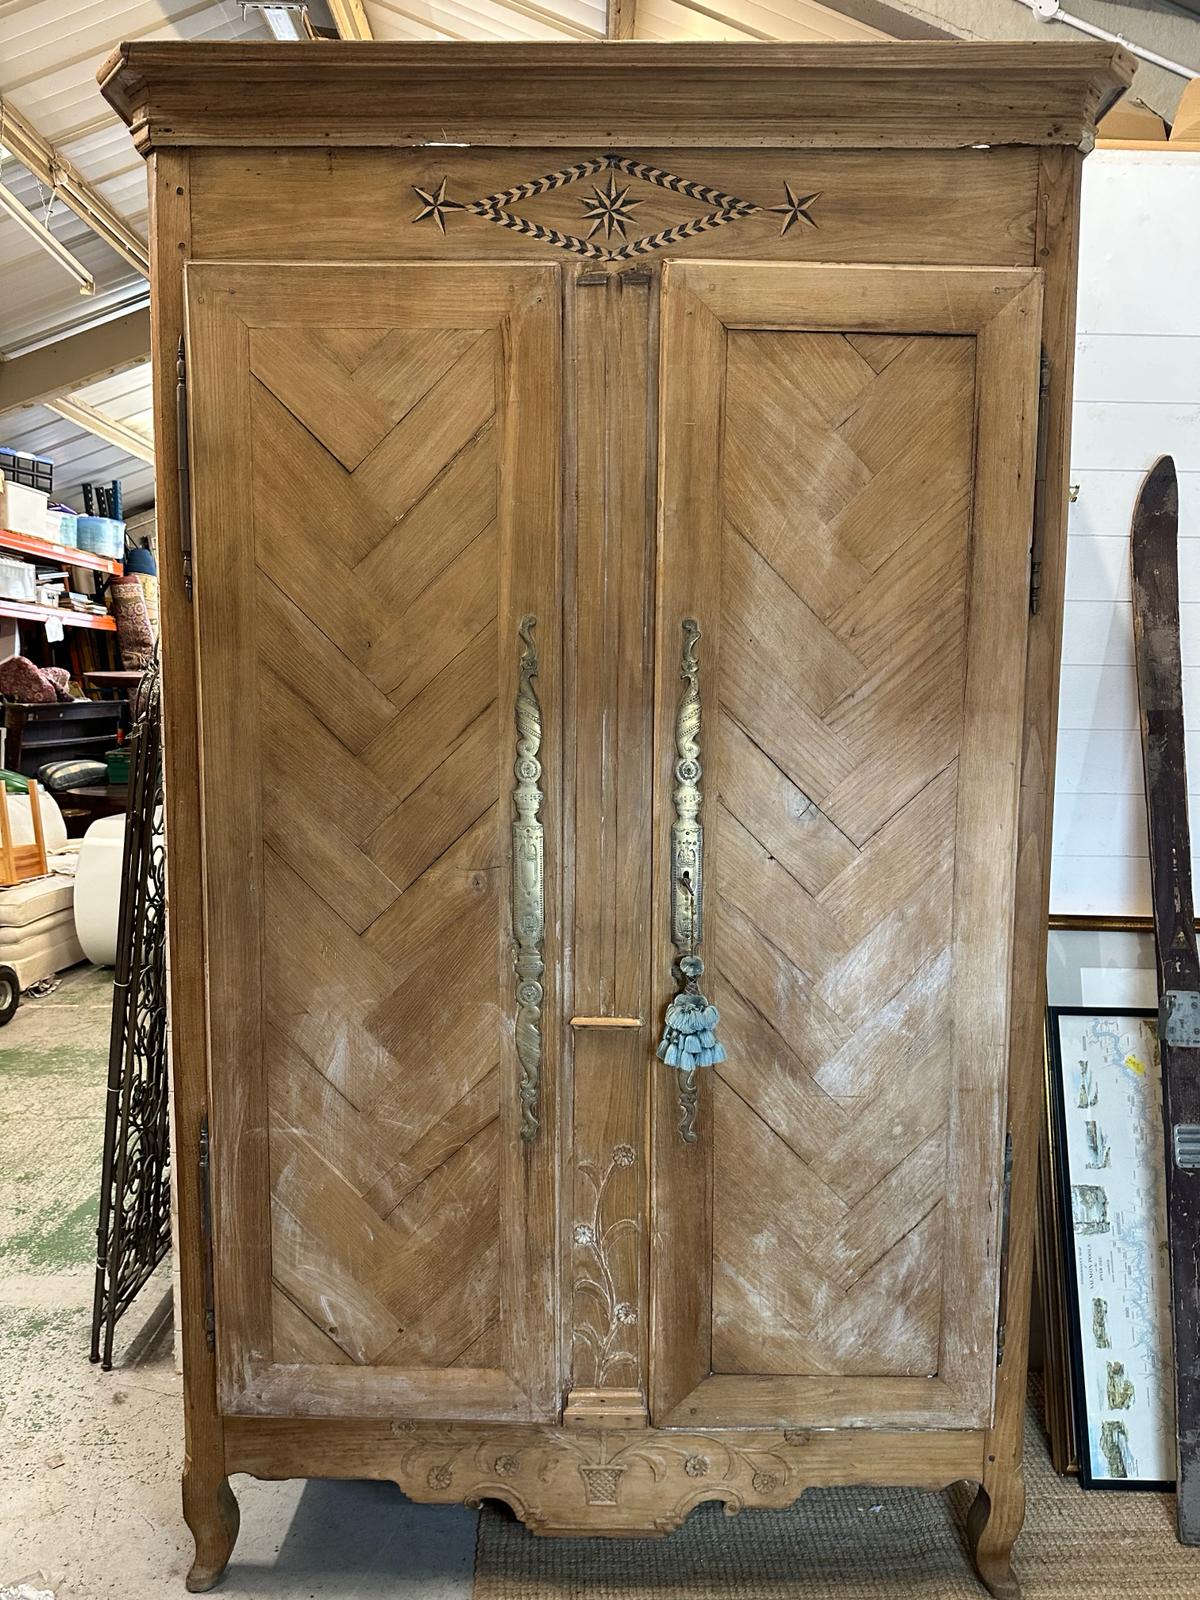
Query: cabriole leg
[(211, 1512), (992, 1527)]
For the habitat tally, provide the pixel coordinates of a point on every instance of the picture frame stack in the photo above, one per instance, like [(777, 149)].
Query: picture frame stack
[(1103, 1259)]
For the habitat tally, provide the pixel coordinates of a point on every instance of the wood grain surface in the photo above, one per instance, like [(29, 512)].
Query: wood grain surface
[(847, 516), (382, 1234)]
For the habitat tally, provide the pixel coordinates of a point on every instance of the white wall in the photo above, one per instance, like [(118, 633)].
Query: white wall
[(1137, 396)]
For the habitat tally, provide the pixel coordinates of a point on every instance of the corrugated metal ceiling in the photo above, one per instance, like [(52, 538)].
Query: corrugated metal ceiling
[(79, 456), (49, 52)]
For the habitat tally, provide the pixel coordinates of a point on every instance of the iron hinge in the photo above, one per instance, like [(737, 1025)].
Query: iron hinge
[(206, 1240), (185, 481), (1039, 484), (1005, 1213)]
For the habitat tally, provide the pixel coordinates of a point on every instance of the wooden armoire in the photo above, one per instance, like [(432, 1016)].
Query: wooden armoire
[(612, 517)]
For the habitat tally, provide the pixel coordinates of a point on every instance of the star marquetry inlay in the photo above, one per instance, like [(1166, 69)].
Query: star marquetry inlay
[(795, 208), (609, 209), (435, 205)]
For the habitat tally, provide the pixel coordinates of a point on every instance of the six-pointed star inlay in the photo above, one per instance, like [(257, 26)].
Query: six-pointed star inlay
[(795, 209), (609, 208)]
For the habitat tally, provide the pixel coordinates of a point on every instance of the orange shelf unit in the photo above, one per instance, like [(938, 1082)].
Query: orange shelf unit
[(27, 545), (69, 619)]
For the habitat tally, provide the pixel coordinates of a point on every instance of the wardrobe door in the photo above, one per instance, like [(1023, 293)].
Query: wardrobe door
[(375, 457), (847, 466)]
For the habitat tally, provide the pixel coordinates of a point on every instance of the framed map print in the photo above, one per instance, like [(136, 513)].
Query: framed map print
[(1106, 1096)]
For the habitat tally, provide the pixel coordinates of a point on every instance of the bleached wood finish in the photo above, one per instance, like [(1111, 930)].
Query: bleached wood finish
[(858, 563), (961, 207), (844, 362), (359, 598), (895, 95)]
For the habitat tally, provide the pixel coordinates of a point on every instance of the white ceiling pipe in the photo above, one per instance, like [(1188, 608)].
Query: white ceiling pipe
[(1051, 11)]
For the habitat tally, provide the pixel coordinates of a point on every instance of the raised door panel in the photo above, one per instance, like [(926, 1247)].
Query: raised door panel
[(376, 494), (847, 475)]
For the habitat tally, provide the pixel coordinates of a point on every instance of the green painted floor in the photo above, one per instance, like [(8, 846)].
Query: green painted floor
[(90, 1461)]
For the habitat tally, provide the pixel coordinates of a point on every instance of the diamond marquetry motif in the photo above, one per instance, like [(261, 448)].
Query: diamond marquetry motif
[(609, 208)]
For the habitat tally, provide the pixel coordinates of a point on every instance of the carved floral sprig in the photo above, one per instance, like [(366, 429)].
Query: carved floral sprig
[(606, 1335)]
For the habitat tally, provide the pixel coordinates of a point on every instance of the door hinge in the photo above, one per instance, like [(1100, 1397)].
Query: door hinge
[(1005, 1212), (1039, 484), (185, 480), (206, 1240)]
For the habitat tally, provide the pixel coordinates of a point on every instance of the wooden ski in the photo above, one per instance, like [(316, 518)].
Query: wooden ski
[(1155, 563)]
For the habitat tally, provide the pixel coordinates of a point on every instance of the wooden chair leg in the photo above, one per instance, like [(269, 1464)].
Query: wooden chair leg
[(211, 1512), (39, 838), (993, 1524)]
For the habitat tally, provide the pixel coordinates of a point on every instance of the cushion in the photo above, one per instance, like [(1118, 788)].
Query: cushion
[(77, 774)]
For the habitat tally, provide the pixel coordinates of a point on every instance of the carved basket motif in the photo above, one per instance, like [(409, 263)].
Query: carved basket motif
[(600, 1484)]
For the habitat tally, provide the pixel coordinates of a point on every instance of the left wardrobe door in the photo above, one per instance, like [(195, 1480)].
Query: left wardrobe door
[(375, 492)]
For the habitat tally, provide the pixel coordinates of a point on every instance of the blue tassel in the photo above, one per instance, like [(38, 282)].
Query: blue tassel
[(689, 1038)]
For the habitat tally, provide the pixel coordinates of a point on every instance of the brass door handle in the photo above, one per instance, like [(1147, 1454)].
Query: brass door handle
[(689, 1039), (528, 899), (606, 1022)]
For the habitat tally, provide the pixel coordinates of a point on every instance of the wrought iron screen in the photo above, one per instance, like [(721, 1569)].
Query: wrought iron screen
[(134, 1231)]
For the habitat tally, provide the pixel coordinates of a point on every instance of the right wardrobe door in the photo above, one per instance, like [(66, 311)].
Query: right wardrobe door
[(847, 462)]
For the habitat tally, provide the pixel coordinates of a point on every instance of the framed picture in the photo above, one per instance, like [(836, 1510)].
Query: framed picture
[(1107, 1140)]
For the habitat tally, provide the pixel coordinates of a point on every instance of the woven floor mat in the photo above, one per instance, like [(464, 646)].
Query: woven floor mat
[(859, 1544)]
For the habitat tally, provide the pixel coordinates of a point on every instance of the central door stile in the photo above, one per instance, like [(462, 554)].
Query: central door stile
[(611, 321)]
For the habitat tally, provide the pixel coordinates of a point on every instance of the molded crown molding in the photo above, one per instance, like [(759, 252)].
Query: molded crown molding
[(893, 95)]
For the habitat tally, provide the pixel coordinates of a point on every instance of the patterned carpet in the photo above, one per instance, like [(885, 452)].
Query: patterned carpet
[(859, 1544)]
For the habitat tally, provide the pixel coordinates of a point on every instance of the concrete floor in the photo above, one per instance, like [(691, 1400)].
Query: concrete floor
[(89, 1461)]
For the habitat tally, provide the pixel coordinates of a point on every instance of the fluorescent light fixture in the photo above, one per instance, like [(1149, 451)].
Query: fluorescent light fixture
[(21, 214), (287, 19)]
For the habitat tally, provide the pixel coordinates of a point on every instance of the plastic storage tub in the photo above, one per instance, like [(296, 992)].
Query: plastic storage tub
[(103, 536)]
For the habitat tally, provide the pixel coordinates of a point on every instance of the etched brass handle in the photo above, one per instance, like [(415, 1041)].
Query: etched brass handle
[(528, 901), (687, 832), (689, 1040)]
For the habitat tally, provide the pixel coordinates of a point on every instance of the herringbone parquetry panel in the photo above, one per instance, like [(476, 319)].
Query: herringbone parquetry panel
[(375, 466), (847, 475)]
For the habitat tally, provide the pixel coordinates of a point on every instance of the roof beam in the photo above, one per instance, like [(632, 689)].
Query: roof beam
[(118, 434), (72, 363), (619, 19), (26, 145), (350, 19)]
